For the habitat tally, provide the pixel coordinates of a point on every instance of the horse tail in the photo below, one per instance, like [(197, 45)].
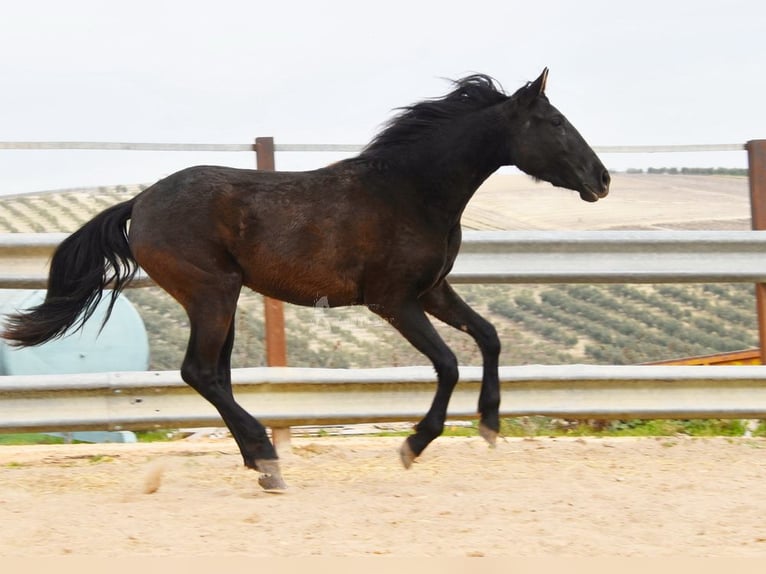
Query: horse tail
[(94, 257)]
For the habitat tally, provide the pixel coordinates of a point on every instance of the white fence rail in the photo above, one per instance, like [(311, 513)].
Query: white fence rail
[(283, 396), (291, 396), (520, 257)]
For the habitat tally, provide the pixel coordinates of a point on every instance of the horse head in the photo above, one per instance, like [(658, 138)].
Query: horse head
[(546, 146)]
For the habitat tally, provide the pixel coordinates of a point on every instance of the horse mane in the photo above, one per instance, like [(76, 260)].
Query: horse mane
[(470, 94)]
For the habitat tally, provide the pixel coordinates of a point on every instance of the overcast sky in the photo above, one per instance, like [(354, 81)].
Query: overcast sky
[(226, 71)]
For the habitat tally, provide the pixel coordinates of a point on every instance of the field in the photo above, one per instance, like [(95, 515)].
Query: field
[(538, 324)]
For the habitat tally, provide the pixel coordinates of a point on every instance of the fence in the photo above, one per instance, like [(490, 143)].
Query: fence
[(285, 397), (289, 396), (518, 257)]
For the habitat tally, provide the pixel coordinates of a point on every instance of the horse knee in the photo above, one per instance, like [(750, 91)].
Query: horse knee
[(488, 340), (447, 370)]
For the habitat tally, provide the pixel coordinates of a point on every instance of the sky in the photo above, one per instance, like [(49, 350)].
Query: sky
[(185, 71)]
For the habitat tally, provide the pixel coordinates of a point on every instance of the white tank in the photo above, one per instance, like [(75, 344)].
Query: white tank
[(123, 344)]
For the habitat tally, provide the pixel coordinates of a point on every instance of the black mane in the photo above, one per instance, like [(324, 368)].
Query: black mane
[(471, 94)]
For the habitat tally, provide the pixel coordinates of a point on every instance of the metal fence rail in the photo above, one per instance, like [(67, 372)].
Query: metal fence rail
[(611, 257), (520, 257), (283, 397)]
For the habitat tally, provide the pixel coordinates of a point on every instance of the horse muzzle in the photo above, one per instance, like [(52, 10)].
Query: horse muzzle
[(592, 193)]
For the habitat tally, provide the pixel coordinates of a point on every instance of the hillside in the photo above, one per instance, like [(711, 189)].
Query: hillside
[(615, 324)]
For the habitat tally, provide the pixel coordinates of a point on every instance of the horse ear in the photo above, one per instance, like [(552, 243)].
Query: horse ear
[(532, 90), (538, 86)]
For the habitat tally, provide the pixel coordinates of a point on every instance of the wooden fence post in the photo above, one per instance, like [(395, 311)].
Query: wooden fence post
[(274, 314), (756, 158)]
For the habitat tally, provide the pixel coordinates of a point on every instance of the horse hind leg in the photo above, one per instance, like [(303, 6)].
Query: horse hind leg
[(206, 368), (210, 300), (271, 476)]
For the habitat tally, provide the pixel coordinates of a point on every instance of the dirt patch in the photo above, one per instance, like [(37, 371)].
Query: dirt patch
[(349, 497)]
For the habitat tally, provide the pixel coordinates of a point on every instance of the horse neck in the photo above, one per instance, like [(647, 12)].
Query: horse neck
[(448, 167)]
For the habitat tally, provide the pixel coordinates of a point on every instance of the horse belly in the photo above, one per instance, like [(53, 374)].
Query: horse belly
[(308, 283)]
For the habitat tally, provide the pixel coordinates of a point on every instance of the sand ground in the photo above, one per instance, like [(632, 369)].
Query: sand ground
[(653, 497)]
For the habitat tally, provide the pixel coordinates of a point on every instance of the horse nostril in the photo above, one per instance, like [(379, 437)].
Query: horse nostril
[(605, 179)]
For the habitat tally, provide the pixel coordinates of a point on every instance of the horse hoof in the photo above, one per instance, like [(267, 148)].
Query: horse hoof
[(270, 479), (488, 434), (407, 455)]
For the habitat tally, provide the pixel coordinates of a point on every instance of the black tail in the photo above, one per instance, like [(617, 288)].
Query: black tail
[(94, 257)]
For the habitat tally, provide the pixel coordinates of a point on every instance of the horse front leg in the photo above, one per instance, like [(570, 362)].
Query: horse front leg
[(443, 303), (410, 320)]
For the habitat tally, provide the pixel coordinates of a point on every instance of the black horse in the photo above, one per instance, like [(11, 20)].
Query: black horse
[(381, 229)]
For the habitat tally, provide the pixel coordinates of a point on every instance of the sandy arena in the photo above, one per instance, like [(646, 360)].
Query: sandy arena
[(349, 497)]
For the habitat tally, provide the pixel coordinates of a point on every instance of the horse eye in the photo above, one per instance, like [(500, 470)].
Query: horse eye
[(557, 122)]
